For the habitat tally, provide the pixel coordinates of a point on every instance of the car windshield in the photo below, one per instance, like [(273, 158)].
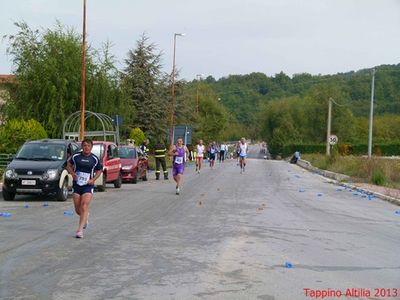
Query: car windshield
[(98, 150), (127, 152), (42, 151)]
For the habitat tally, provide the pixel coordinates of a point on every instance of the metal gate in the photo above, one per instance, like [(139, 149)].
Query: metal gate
[(72, 126)]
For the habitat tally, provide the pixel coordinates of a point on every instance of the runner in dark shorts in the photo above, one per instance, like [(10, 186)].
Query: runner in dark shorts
[(213, 151), (85, 168)]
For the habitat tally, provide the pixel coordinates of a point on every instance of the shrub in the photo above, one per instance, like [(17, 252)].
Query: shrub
[(343, 149), (137, 135), (15, 132), (378, 177)]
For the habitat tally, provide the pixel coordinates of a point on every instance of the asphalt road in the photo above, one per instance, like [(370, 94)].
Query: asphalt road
[(227, 236)]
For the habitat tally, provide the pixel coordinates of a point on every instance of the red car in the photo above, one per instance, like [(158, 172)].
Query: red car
[(134, 164), (107, 152)]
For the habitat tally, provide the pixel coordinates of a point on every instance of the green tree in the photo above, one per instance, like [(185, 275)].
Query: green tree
[(15, 132), (47, 65), (147, 89), (105, 92), (212, 119)]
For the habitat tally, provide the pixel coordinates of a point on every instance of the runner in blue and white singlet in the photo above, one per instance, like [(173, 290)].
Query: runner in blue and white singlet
[(85, 168), (212, 150)]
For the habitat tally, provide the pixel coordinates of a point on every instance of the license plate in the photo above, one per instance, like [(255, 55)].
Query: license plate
[(28, 182)]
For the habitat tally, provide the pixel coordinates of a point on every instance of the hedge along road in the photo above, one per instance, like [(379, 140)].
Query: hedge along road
[(227, 236)]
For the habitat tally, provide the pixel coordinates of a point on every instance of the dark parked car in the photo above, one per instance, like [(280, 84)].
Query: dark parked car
[(39, 167), (134, 164)]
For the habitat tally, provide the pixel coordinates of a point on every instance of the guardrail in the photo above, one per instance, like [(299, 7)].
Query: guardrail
[(5, 159)]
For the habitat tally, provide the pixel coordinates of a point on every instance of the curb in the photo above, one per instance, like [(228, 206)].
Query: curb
[(338, 179)]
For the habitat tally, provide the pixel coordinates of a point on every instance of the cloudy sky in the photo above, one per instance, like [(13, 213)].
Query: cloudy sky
[(224, 37)]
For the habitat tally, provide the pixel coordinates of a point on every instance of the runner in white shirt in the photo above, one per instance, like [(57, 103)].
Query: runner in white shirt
[(243, 148), (200, 155)]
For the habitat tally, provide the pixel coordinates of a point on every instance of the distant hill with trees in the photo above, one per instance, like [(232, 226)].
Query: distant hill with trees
[(286, 110)]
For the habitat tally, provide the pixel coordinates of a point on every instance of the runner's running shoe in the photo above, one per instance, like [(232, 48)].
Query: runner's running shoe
[(87, 223), (79, 234)]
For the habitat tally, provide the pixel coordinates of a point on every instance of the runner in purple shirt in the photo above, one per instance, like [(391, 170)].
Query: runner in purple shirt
[(179, 152)]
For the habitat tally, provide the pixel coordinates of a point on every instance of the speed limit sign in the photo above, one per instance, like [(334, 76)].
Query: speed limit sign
[(333, 139)]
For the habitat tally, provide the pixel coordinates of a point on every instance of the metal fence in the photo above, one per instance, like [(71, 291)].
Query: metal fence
[(5, 159)]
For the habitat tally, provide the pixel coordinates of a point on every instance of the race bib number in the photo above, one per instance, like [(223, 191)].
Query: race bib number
[(83, 178), (179, 160)]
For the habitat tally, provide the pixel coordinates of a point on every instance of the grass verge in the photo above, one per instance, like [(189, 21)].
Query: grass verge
[(379, 171)]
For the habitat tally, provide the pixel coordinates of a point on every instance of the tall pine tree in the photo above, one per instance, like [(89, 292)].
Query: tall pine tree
[(148, 92)]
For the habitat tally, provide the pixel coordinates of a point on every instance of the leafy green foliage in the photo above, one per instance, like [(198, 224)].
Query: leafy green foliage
[(253, 99), (104, 91), (137, 135), (212, 121), (378, 177), (376, 170), (48, 69), (280, 109), (15, 132)]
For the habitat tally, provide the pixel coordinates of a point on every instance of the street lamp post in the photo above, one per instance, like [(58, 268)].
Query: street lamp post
[(328, 130), (371, 115), (83, 79), (198, 76), (171, 109)]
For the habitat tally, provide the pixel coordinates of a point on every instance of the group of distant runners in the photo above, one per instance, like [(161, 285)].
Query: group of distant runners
[(85, 167), (179, 152)]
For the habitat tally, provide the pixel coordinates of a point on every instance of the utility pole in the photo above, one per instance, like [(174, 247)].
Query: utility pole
[(82, 129), (328, 132), (171, 108), (371, 115), (198, 77)]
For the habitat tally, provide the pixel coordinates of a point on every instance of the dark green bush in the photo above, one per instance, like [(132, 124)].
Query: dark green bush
[(378, 177), (343, 149), (288, 150)]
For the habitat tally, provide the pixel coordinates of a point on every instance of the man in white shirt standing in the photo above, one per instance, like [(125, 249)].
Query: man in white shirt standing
[(222, 151)]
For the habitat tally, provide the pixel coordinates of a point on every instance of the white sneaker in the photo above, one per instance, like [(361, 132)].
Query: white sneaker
[(177, 191)]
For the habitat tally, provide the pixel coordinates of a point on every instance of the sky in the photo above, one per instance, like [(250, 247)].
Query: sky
[(228, 37)]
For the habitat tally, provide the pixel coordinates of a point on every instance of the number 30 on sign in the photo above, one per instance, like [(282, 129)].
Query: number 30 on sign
[(333, 139)]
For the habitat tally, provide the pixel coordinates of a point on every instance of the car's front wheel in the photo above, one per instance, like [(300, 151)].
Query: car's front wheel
[(8, 196), (62, 193), (118, 182), (135, 176), (102, 187)]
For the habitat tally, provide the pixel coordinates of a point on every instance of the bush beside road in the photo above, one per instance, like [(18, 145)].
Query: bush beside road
[(385, 193), (378, 170)]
